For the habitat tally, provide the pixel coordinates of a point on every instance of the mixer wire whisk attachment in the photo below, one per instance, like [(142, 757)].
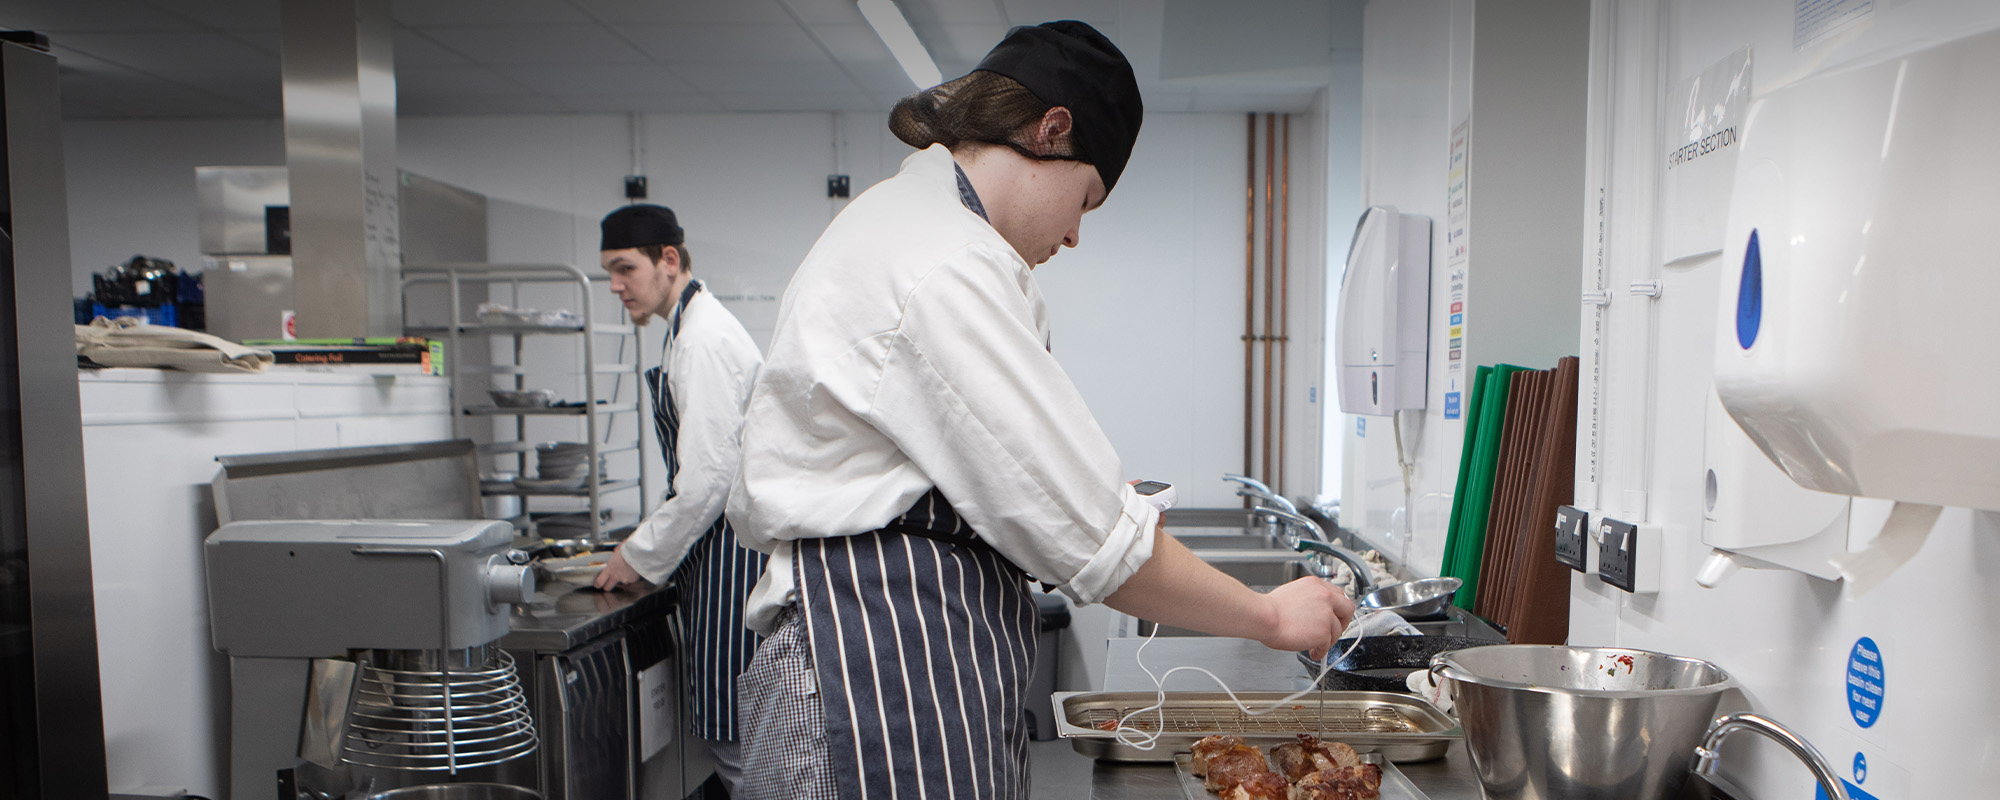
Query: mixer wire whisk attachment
[(439, 720)]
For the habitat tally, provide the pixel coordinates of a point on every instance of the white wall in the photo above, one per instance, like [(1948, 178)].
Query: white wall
[(1786, 636), (1341, 106), (1407, 76)]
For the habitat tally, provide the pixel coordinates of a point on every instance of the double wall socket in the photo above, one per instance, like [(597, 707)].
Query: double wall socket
[(1628, 555), (1572, 546)]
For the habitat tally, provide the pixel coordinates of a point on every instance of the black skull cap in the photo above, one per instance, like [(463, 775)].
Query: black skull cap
[(640, 225), (1070, 64)]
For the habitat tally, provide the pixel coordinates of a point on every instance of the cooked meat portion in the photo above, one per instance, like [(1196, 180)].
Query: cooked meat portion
[(1308, 755), (1239, 765), (1362, 782), (1261, 786), (1345, 756), (1208, 747), (1295, 760)]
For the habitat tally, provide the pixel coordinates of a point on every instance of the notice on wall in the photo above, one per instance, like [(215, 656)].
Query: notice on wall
[(1814, 21), (1457, 206), (1865, 677), (1454, 369), (1457, 196), (1704, 126), (656, 708)]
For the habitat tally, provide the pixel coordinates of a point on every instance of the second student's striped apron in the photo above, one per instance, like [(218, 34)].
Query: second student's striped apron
[(921, 641), (711, 583)]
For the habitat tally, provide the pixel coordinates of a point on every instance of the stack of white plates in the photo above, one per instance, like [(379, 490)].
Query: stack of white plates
[(561, 465)]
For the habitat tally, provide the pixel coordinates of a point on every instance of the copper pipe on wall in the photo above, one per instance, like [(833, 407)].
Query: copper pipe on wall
[(1285, 294), (1249, 283), (1270, 165)]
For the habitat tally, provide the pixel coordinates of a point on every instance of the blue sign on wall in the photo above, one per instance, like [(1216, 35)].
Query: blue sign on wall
[(1451, 405), (1864, 682)]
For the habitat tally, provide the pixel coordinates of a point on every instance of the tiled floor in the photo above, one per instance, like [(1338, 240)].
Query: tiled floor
[(1057, 772)]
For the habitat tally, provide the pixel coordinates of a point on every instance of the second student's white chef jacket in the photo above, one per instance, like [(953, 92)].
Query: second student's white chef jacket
[(911, 352), (710, 365)]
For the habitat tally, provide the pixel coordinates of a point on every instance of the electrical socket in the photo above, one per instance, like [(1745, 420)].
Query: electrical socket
[(1628, 555), (1572, 546)]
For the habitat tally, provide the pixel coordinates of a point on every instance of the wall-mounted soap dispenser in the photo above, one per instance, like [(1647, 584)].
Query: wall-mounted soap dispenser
[(1756, 516), (1385, 313)]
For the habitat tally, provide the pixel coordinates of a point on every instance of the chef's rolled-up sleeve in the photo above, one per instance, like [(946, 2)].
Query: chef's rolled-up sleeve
[(972, 395)]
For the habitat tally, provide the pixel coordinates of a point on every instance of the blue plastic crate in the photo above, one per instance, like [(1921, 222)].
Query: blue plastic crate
[(153, 315)]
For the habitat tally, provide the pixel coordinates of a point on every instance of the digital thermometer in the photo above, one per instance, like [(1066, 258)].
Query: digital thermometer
[(1157, 493)]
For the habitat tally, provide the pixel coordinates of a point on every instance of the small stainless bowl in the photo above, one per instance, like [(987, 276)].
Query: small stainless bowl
[(522, 398), (1414, 600)]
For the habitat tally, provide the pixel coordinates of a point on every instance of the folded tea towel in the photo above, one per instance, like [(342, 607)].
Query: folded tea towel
[(130, 342)]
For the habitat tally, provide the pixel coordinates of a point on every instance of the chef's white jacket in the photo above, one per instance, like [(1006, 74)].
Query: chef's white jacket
[(711, 365), (910, 351)]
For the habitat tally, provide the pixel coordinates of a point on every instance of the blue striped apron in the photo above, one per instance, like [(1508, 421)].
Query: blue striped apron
[(710, 585), (923, 642)]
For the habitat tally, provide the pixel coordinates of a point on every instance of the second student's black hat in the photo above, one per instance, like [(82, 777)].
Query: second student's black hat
[(640, 225)]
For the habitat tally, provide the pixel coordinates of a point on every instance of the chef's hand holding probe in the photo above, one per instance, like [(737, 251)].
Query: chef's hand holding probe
[(1313, 613), (1307, 614), (616, 573)]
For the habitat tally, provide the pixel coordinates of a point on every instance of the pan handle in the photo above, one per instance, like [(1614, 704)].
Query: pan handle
[(1446, 690)]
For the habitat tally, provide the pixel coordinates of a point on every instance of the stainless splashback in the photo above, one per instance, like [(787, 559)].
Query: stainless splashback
[(441, 223), (248, 291), (340, 149), (232, 205), (425, 480)]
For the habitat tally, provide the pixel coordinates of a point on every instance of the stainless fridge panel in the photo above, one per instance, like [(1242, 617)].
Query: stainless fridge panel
[(54, 745), (231, 207)]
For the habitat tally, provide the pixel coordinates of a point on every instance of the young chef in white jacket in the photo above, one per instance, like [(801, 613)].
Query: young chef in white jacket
[(699, 390), (915, 459)]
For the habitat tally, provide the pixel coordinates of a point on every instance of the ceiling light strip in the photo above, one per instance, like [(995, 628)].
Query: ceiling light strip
[(896, 33)]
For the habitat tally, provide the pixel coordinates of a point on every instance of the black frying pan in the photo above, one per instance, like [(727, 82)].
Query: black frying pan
[(1380, 663)]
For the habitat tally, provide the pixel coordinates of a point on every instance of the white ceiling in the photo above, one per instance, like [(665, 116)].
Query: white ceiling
[(219, 58)]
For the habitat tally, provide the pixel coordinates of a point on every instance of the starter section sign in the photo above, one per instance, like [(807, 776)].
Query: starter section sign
[(1864, 682)]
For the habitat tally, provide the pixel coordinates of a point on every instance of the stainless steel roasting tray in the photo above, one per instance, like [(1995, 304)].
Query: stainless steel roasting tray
[(1395, 785), (1400, 727)]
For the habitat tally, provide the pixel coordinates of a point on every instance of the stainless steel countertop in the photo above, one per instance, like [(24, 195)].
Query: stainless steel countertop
[(566, 613), (1245, 665)]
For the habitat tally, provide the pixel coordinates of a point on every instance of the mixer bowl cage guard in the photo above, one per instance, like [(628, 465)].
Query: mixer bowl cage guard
[(406, 714)]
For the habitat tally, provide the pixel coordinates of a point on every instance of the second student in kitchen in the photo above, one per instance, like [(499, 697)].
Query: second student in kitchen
[(707, 365)]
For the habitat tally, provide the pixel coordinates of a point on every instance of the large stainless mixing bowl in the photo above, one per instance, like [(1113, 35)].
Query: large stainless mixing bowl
[(1548, 722)]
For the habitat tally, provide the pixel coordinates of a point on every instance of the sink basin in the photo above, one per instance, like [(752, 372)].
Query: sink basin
[(1206, 539), (1267, 566), (1237, 518)]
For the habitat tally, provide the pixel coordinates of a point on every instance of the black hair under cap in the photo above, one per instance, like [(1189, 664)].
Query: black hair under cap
[(1069, 64), (640, 225)]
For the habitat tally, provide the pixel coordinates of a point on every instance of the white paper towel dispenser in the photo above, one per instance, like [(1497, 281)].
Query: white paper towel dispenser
[(1385, 312), (1856, 316)]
